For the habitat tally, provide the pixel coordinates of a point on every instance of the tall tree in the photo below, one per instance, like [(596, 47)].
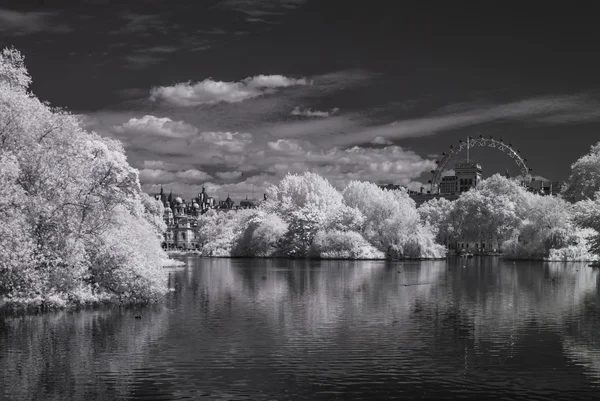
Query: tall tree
[(584, 180)]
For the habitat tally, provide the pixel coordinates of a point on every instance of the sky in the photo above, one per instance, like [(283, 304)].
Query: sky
[(234, 94)]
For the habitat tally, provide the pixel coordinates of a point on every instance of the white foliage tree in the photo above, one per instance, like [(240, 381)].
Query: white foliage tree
[(392, 223), (72, 183), (492, 211), (584, 180)]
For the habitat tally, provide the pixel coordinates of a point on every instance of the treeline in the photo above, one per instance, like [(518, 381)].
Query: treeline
[(75, 227), (305, 216)]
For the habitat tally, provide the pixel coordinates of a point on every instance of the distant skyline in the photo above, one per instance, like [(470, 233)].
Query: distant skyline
[(233, 94)]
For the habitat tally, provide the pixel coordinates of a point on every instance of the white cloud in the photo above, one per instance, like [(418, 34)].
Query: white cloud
[(229, 175), (154, 176), (154, 164), (189, 94), (379, 140), (193, 175), (152, 125), (529, 109), (313, 113), (234, 142)]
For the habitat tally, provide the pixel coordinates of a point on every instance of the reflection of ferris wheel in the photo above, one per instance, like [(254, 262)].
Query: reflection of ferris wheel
[(481, 142)]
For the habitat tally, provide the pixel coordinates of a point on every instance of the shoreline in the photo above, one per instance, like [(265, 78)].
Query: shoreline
[(499, 255)]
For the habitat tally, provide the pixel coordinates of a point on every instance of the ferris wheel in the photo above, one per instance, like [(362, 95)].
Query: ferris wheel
[(471, 142)]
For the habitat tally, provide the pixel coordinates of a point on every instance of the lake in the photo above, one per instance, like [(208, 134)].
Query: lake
[(241, 329)]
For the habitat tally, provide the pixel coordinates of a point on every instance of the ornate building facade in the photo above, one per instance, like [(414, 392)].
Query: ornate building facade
[(181, 217)]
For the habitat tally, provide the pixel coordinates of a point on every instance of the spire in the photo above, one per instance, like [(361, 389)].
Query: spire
[(468, 146)]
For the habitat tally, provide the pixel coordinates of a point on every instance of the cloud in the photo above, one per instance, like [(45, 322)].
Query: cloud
[(158, 176), (138, 61), (261, 9), (140, 24), (151, 125), (313, 113), (529, 109), (193, 175), (229, 175), (175, 153), (211, 92), (158, 49), (379, 140), (16, 23)]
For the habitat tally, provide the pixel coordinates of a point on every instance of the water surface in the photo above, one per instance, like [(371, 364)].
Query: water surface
[(238, 329)]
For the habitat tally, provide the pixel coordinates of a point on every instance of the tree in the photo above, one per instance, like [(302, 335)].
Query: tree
[(392, 223), (71, 185), (493, 210), (435, 214), (584, 180), (546, 227), (307, 203)]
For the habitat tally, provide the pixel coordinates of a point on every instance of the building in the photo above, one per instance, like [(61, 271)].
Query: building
[(449, 185), (181, 217), (545, 187), (467, 175)]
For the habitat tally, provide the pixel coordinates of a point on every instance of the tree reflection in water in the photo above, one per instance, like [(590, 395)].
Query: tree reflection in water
[(279, 329)]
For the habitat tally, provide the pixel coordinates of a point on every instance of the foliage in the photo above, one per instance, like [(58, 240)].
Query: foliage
[(435, 213), (335, 244), (68, 194), (584, 180), (493, 211), (305, 216), (262, 235)]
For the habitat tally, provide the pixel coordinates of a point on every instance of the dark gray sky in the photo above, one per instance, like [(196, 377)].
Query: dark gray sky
[(235, 93)]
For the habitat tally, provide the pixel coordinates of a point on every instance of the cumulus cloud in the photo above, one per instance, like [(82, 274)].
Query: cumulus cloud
[(379, 140), (157, 175), (233, 142), (229, 175), (159, 126), (175, 152), (209, 91), (205, 92), (193, 175), (313, 113), (16, 23)]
